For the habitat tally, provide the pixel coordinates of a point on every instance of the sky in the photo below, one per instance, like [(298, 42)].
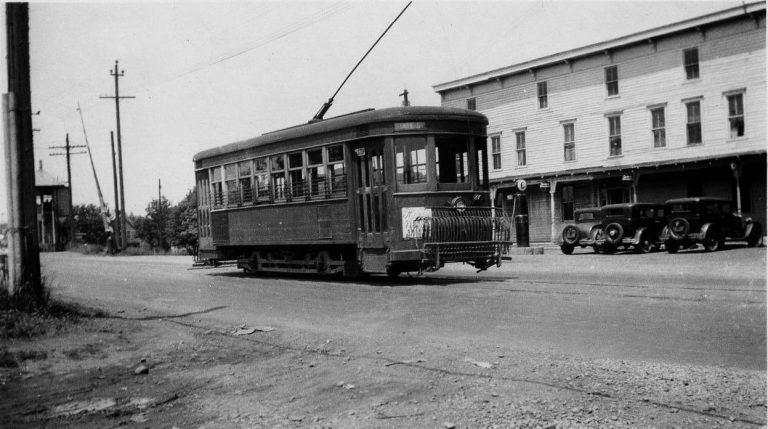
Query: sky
[(211, 73)]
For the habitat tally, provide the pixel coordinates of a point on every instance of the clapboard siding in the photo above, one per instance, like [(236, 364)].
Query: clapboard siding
[(732, 57)]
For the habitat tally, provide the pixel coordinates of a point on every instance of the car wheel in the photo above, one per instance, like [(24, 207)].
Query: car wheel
[(645, 245), (755, 236), (609, 249), (570, 235), (567, 249), (672, 246), (613, 233), (712, 241)]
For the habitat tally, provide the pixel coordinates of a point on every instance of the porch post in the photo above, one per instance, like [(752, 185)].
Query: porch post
[(552, 190)]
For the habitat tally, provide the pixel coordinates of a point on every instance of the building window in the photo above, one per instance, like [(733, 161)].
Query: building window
[(693, 122), (541, 90), (612, 80), (691, 61), (736, 115), (614, 135), (471, 104), (567, 203), (658, 127), (520, 139), (496, 152), (569, 145)]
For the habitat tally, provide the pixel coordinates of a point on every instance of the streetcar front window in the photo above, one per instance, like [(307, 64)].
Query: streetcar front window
[(452, 159), (411, 160), (482, 162)]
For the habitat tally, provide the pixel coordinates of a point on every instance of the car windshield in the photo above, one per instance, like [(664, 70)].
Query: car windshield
[(682, 208)]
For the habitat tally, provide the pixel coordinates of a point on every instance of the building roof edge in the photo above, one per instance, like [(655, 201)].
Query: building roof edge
[(744, 9)]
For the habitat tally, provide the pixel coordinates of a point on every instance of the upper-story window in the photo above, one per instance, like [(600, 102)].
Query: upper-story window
[(496, 152), (691, 62), (614, 135), (471, 103), (612, 80), (541, 91), (693, 122), (658, 127), (569, 142), (736, 115), (520, 140)]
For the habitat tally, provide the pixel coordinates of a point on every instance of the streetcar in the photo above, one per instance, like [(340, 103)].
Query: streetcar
[(393, 190)]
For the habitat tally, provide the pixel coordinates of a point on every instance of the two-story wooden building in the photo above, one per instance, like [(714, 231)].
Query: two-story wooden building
[(675, 111)]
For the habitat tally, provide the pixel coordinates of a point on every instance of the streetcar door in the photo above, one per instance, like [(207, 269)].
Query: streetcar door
[(371, 194)]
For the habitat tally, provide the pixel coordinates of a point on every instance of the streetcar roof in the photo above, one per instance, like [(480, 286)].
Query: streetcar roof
[(391, 114)]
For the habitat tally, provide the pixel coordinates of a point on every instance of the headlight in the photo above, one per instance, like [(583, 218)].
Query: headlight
[(459, 203)]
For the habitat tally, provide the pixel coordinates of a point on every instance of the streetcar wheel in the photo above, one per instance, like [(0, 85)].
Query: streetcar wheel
[(393, 271)]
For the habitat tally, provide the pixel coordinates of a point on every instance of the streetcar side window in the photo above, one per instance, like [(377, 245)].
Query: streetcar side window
[(246, 195), (260, 178), (216, 187), (296, 173), (336, 169), (277, 166), (411, 160), (316, 170), (230, 178), (452, 159)]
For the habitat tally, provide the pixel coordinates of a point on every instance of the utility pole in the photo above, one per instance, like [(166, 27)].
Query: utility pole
[(118, 209), (160, 220), (117, 97), (68, 152), (24, 249)]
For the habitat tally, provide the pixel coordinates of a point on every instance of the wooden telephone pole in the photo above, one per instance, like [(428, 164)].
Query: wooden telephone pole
[(68, 153), (24, 249), (118, 74)]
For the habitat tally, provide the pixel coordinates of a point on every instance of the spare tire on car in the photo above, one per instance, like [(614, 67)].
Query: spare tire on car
[(613, 233)]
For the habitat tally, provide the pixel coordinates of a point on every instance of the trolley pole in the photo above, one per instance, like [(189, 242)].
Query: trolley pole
[(68, 153), (118, 74), (24, 270)]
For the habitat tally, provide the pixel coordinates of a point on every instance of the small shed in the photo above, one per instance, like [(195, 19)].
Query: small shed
[(52, 199)]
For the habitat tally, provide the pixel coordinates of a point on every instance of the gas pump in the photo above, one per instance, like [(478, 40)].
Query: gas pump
[(520, 213)]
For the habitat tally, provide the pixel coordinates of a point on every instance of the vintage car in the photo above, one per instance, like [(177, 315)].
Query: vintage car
[(634, 226), (709, 221), (585, 229)]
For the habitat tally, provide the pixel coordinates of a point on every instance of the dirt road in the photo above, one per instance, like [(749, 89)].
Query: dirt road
[(141, 366)]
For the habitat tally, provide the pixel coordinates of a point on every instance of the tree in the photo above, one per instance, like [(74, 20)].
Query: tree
[(154, 228), (184, 222), (88, 222)]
